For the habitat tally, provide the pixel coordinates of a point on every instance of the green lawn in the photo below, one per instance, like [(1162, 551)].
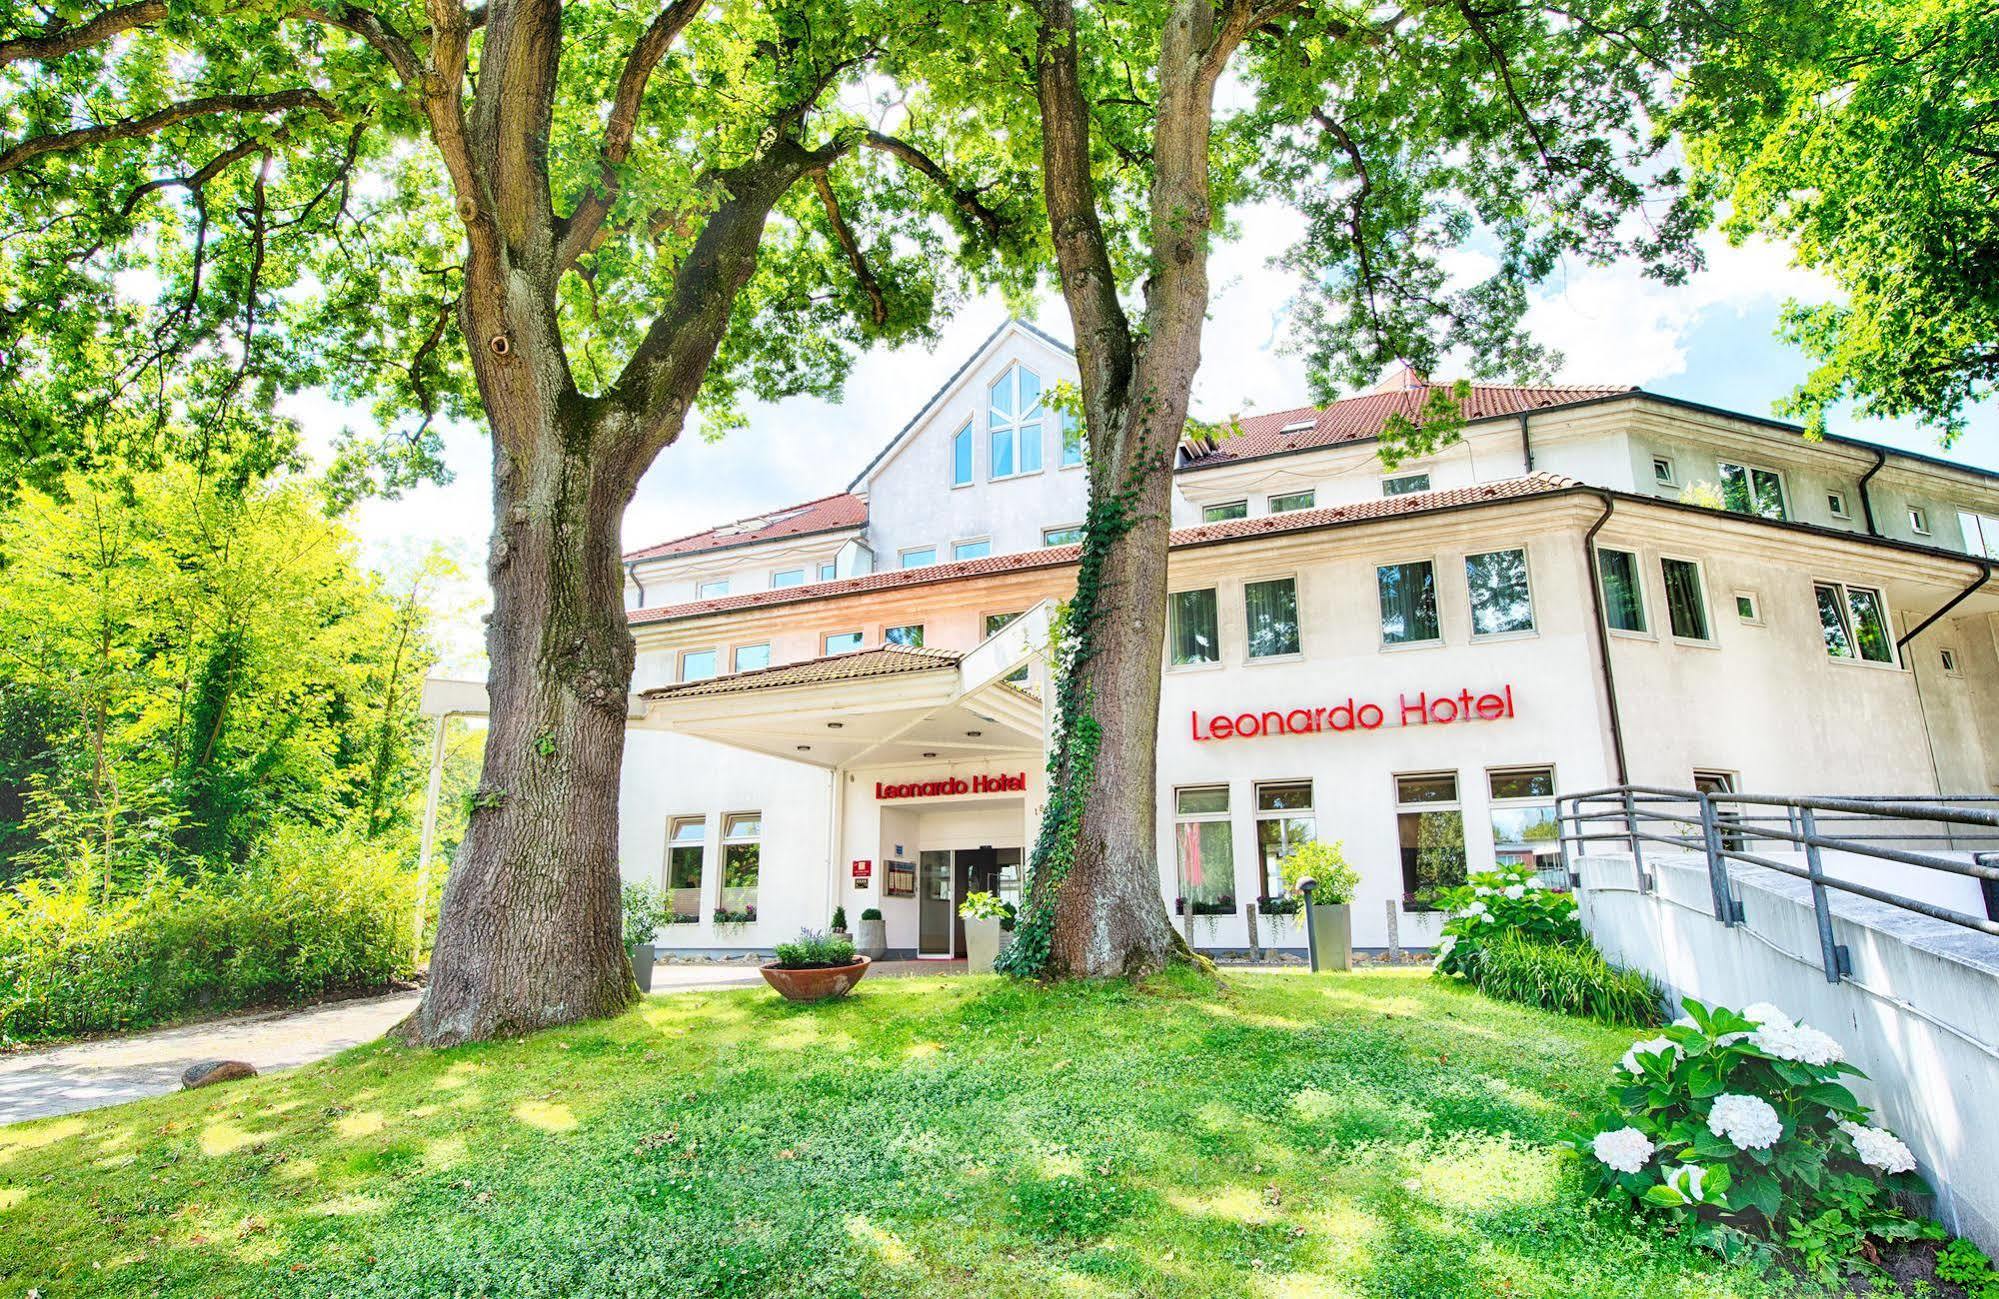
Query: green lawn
[(1372, 1134)]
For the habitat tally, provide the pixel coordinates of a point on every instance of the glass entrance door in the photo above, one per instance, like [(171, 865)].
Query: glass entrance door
[(935, 905)]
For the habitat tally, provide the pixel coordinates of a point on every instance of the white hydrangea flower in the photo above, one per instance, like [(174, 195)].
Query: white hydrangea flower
[(1487, 918), (1475, 909), (1515, 892), (1483, 891), (1766, 1015), (1880, 1148), (1799, 1042), (1650, 1046), (1625, 1150), (1444, 948), (1687, 1180), (1748, 1121)]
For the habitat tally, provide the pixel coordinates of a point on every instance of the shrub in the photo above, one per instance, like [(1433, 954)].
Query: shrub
[(728, 916), (840, 918), (646, 909), (987, 906), (311, 913), (1736, 1126), (872, 913), (810, 951), (1572, 978), (1499, 902), (1325, 863)]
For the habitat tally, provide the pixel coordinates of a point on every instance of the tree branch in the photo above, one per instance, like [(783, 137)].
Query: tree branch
[(372, 28), (968, 201), (578, 231), (877, 305), (60, 38), (130, 128)]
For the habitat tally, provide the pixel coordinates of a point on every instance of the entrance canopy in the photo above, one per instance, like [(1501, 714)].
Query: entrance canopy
[(878, 706)]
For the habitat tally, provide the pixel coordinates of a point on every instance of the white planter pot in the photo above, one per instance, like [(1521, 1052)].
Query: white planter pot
[(873, 939), (982, 944)]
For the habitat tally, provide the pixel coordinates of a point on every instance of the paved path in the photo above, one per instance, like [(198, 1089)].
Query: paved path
[(86, 1075)]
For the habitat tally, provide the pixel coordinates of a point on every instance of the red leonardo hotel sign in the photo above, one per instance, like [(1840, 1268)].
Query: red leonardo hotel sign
[(1419, 709)]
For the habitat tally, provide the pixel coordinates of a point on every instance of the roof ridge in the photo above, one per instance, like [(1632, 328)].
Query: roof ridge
[(645, 551)]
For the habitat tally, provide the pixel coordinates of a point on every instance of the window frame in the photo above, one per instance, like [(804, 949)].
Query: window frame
[(1309, 494), (729, 841), (1645, 630), (736, 656), (1172, 620), (1225, 817), (826, 649), (1835, 504), (1011, 424), (887, 638), (1754, 618), (700, 847), (956, 546), (1707, 610), (829, 570), (1947, 661), (1671, 478), (715, 664), (1064, 423), (1076, 528), (902, 556), (778, 584), (971, 456), (1212, 506), (1533, 627), (1380, 615), (1310, 812), (1749, 471), (1845, 589), (1919, 520), (1298, 610), (1401, 809), (1494, 803), (1387, 479), (705, 591)]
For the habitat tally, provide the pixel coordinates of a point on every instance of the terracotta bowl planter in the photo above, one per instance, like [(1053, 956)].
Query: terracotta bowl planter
[(815, 985)]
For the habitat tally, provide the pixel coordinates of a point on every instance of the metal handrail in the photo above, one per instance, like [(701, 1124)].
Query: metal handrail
[(1723, 826)]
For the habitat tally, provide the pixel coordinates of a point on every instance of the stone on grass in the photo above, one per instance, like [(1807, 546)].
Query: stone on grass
[(204, 1072)]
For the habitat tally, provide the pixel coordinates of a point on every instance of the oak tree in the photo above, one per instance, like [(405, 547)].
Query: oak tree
[(571, 222)]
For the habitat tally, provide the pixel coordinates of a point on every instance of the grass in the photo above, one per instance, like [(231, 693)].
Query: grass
[(1374, 1134)]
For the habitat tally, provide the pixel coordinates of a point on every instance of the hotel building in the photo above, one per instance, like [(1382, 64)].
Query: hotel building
[(841, 703)]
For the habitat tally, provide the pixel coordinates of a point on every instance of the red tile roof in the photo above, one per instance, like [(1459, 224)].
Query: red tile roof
[(855, 665), (827, 514), (1539, 484), (1357, 419)]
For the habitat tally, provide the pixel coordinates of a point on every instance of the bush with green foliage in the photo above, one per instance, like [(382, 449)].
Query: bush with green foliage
[(1736, 1126), (987, 906), (811, 951), (1964, 1265), (840, 919), (1572, 978), (310, 913), (1325, 863), (872, 913), (1506, 901), (647, 908)]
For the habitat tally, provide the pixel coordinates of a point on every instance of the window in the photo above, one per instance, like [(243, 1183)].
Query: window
[(1523, 818), (749, 658), (1854, 622), (1013, 423), (994, 622), (1835, 504), (961, 456), (1408, 602), (842, 642), (686, 847), (712, 590), (1405, 484), (919, 556), (1981, 534), (1193, 637), (789, 577), (1748, 489), (828, 571), (1748, 608), (1686, 602), (1289, 501), (1225, 511), (1067, 536), (697, 665), (1430, 828), (1919, 520), (971, 549), (1948, 659), (1662, 471), (742, 856), (1623, 600), (910, 637), (1500, 600), (1206, 850), (1283, 821), (1271, 610), (1073, 441), (1728, 817)]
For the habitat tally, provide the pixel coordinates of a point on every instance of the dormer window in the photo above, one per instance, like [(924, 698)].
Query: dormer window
[(1014, 416)]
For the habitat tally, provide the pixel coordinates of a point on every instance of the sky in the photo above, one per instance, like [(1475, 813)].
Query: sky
[(1711, 341)]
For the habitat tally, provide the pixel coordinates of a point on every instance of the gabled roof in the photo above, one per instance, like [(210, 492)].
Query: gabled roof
[(1362, 418), (1206, 534), (856, 665), (923, 412), (827, 514)]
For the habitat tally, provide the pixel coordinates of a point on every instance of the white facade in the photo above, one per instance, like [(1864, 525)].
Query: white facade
[(1715, 665)]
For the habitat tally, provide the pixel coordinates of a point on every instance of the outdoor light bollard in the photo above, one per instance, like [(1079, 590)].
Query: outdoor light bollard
[(1308, 887)]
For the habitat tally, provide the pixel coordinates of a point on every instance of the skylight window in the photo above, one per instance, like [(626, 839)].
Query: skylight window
[(1300, 426)]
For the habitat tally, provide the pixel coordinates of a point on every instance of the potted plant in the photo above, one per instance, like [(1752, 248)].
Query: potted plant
[(987, 920), (1324, 866), (840, 924), (814, 967), (873, 942), (646, 909)]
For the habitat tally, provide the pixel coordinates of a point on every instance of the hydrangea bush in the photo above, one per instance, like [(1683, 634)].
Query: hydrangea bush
[(1506, 901), (1739, 1124)]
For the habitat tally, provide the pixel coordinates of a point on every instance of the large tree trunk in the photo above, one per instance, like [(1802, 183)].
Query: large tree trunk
[(530, 932)]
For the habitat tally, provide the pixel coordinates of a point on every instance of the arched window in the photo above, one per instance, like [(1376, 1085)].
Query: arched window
[(1014, 416)]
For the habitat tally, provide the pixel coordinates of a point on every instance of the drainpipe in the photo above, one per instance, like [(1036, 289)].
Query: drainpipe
[(632, 571), (1603, 638), (1867, 502), (1984, 576), (1526, 444)]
